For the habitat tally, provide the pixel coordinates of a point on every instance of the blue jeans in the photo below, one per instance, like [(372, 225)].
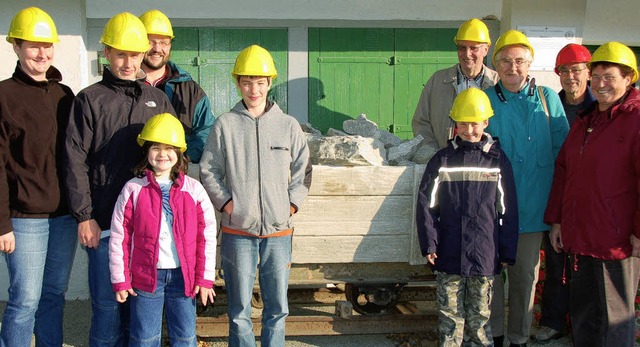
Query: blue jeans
[(146, 312), (39, 271), (110, 319), (241, 255)]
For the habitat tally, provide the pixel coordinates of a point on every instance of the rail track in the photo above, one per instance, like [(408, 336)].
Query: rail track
[(326, 311)]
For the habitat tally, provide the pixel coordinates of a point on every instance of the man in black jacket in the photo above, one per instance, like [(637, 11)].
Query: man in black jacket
[(101, 150)]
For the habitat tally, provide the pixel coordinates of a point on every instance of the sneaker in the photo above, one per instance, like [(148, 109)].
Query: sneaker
[(545, 334)]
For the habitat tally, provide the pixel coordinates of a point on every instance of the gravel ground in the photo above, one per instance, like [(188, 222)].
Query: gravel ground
[(78, 315)]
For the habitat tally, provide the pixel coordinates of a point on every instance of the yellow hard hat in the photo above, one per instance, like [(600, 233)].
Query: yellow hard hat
[(473, 30), (511, 37), (616, 52), (254, 61), (163, 128), (125, 32), (157, 23), (33, 24), (471, 105)]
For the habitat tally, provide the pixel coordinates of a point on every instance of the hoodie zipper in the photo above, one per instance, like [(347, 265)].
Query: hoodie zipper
[(257, 120)]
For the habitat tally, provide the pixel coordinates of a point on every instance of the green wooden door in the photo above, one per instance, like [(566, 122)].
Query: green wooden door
[(208, 54), (349, 74), (379, 72), (419, 54)]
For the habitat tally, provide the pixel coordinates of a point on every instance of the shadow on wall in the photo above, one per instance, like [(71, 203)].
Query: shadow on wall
[(320, 114)]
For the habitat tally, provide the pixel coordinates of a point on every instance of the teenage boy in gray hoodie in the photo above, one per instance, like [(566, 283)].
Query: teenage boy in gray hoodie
[(254, 167)]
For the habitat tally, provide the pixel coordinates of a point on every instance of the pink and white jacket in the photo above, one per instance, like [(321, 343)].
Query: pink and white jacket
[(135, 229)]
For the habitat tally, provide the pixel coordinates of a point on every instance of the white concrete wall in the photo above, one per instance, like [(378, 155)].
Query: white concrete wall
[(250, 10)]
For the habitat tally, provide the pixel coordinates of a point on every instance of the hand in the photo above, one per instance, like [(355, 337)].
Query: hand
[(8, 242), (89, 233), (228, 208), (122, 295), (504, 265), (555, 237), (206, 294), (635, 243), (292, 210), (431, 258)]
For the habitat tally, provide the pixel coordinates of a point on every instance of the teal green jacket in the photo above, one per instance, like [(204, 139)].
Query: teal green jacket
[(532, 141)]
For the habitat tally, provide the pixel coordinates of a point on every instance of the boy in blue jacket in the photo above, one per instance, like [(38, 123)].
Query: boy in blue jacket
[(467, 221)]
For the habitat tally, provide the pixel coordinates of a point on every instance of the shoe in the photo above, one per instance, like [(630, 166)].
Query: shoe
[(546, 334), (498, 341)]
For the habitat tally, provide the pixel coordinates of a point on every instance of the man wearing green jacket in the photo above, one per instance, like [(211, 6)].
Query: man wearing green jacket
[(187, 97), (531, 125)]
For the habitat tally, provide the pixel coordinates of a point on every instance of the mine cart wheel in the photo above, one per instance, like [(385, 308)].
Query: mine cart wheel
[(256, 300), (373, 299)]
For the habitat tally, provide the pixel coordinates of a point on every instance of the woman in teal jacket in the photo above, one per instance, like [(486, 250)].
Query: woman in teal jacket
[(531, 125)]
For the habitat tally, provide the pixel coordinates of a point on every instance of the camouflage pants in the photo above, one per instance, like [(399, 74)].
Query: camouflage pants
[(464, 310)]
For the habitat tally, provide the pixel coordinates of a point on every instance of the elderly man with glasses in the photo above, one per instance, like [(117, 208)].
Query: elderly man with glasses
[(531, 125), (431, 118), (576, 96)]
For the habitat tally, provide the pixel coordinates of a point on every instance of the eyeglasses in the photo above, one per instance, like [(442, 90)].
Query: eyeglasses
[(604, 78), (161, 43), (506, 63), (573, 71)]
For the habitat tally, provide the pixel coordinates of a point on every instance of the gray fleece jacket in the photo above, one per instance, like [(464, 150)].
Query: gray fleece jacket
[(260, 164)]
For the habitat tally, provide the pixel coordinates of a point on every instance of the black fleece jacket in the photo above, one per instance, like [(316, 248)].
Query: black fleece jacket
[(33, 118)]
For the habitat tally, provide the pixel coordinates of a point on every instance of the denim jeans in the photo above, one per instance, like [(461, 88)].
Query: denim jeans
[(110, 319), (39, 271), (146, 313), (241, 255)]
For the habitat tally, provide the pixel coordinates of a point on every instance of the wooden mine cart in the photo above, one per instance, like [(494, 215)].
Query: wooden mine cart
[(357, 227)]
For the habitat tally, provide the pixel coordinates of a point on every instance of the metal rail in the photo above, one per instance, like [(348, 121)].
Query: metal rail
[(307, 321)]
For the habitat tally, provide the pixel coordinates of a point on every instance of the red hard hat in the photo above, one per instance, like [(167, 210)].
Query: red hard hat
[(571, 54)]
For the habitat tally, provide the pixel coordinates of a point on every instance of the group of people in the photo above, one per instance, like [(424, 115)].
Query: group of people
[(107, 166), (548, 171)]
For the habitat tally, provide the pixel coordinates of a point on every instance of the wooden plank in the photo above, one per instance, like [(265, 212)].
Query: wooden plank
[(350, 249), (361, 180), (354, 215)]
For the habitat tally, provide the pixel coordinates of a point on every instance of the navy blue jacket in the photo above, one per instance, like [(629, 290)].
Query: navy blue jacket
[(467, 209)]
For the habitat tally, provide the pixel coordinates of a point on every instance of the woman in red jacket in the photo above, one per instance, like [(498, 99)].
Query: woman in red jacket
[(594, 205)]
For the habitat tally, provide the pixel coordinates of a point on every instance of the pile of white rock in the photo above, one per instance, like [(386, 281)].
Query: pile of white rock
[(361, 143)]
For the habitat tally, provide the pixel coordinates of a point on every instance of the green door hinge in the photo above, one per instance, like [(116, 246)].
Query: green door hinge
[(393, 60), (400, 128)]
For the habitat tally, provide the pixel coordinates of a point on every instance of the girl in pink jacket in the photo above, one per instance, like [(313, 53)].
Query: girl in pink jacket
[(163, 239)]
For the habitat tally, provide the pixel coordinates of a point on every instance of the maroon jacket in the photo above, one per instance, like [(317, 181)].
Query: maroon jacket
[(33, 119), (596, 185)]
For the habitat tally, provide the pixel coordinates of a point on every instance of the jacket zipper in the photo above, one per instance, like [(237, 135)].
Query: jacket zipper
[(259, 177)]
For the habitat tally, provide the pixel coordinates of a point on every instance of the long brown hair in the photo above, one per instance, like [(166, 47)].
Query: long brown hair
[(182, 165)]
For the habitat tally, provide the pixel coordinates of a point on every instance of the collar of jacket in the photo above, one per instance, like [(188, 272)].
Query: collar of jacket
[(630, 100), (586, 102), (487, 144), (177, 75), (127, 87), (267, 108), (452, 77), (53, 76), (177, 183)]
